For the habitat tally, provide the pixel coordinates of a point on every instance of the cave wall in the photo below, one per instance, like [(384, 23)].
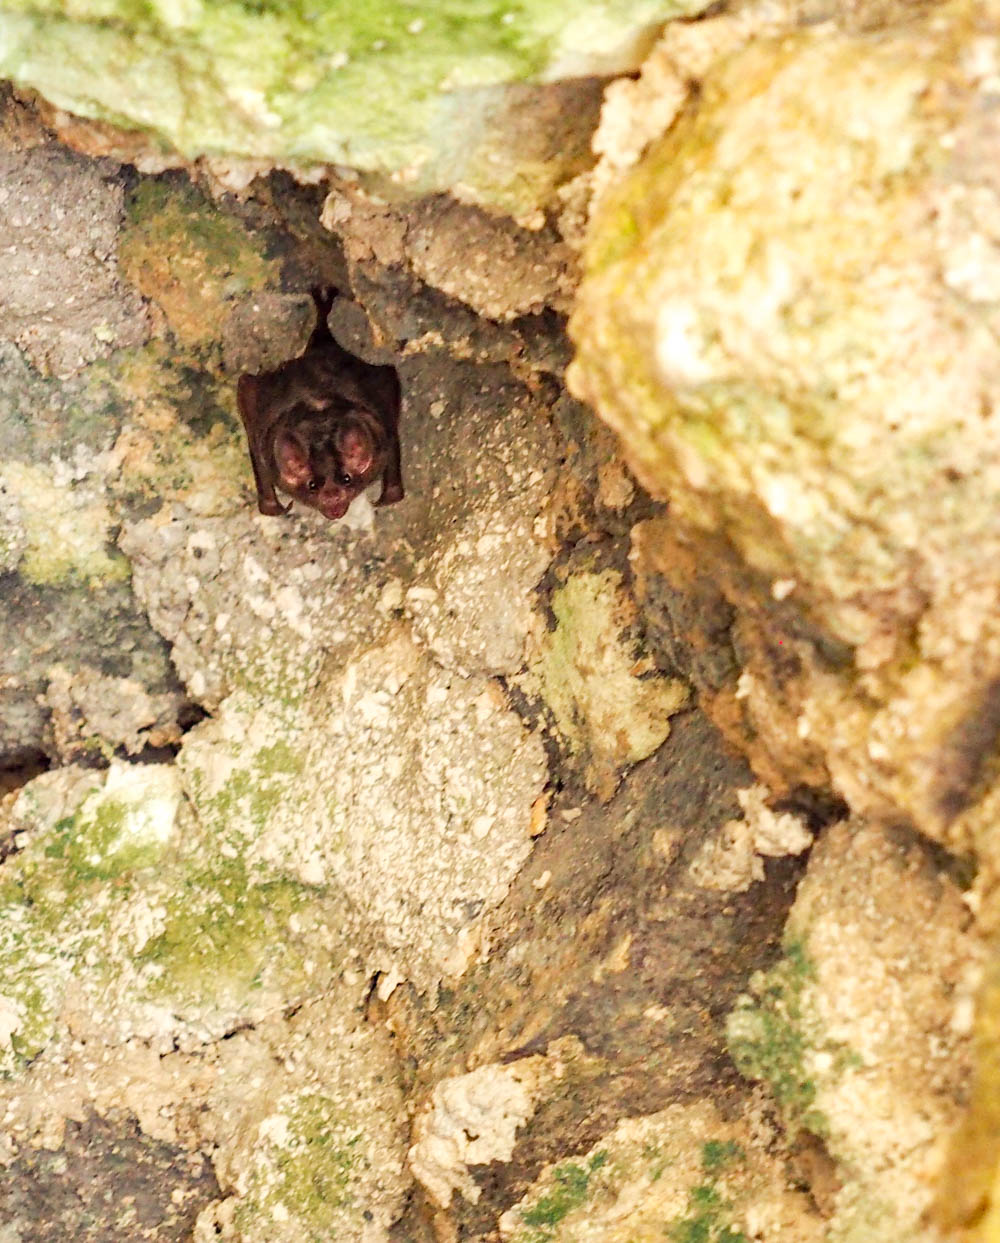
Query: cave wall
[(598, 843)]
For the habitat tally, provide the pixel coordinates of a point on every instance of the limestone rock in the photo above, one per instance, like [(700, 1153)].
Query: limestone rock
[(471, 1120), (859, 1044), (611, 706), (63, 302), (315, 1147), (789, 313), (681, 1173), (91, 712), (733, 857), (404, 788), (499, 270), (454, 97)]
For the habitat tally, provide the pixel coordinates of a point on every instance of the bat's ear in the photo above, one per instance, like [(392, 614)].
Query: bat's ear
[(292, 461), (356, 450)]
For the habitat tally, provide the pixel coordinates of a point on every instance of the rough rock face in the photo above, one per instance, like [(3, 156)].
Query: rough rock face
[(252, 87), (529, 860), (362, 795), (585, 670), (717, 1187), (788, 313), (63, 314), (861, 1047)]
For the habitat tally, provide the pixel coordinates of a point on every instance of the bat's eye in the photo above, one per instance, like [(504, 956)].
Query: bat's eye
[(312, 485), (345, 480)]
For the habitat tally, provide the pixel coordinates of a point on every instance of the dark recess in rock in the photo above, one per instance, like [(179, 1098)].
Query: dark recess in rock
[(108, 1180), (690, 952), (969, 757)]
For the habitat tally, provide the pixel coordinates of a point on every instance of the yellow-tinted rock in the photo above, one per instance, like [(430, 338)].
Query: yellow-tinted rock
[(590, 673), (683, 1173), (859, 1044), (789, 313), (189, 259)]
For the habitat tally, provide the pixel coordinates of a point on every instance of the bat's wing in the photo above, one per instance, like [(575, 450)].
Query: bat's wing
[(248, 404)]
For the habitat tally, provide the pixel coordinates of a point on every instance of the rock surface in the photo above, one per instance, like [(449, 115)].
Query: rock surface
[(782, 316), (858, 1046), (63, 305), (718, 1185), (529, 859), (252, 87)]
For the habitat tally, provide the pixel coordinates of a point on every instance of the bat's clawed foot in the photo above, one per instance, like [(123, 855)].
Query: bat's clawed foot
[(391, 493), (271, 506)]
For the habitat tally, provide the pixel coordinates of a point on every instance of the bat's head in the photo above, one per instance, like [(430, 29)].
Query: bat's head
[(326, 457)]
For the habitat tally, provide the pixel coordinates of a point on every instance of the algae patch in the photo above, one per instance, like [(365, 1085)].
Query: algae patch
[(189, 258), (410, 92), (683, 1175), (165, 932), (307, 1168), (708, 1213), (66, 528), (56, 909), (125, 827), (219, 944), (771, 1037), (609, 704), (569, 1192)]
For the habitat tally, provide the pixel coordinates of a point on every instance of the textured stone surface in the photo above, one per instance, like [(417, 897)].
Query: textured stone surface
[(250, 86), (131, 922), (610, 705), (471, 1119), (63, 303), (499, 271), (859, 1044), (405, 788), (684, 1173), (733, 858), (362, 795), (602, 993), (336, 889), (783, 316), (107, 1176)]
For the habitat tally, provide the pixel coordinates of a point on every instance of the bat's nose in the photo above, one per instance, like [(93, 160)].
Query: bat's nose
[(333, 503)]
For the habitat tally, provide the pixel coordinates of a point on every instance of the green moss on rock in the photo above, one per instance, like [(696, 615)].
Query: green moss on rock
[(388, 87), (683, 1175), (569, 1192), (126, 827), (57, 906), (34, 970), (773, 1036), (609, 705), (189, 257), (309, 1174), (65, 530), (225, 937), (160, 927), (253, 795)]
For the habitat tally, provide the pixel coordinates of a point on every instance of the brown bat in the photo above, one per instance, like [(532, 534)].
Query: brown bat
[(322, 426)]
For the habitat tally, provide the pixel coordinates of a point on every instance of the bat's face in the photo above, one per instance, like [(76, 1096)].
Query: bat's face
[(326, 457)]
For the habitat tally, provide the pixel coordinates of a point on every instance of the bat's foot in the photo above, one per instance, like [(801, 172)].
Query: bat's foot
[(390, 495), (271, 506), (324, 296)]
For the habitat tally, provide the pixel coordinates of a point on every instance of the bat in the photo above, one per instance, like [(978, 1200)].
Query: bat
[(323, 426)]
